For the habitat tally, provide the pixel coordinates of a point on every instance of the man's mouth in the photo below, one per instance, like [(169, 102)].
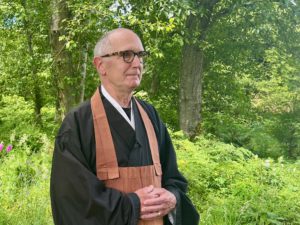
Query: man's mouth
[(132, 75)]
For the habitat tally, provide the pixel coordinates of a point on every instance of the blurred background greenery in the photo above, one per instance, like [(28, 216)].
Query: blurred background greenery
[(224, 75)]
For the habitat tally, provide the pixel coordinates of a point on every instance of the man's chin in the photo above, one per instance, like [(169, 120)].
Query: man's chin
[(134, 84)]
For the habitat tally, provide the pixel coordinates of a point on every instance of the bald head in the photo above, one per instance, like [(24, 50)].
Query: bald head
[(106, 42)]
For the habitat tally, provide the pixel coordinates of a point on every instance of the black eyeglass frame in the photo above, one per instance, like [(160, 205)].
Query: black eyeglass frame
[(140, 55)]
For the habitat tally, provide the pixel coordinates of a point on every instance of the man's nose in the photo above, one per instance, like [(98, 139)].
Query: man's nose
[(137, 61)]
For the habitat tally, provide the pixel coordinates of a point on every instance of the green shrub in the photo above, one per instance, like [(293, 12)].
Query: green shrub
[(233, 186), (24, 185), (17, 124), (15, 115), (228, 185)]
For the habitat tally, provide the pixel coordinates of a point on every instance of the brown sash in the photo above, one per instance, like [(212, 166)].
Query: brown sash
[(125, 179)]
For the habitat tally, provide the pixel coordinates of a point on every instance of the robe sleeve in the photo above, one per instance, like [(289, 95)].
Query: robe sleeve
[(172, 179), (77, 195)]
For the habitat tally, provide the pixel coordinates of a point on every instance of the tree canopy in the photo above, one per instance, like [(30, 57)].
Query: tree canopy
[(226, 68)]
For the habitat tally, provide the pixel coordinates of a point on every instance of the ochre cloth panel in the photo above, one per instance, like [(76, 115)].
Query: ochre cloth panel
[(124, 179)]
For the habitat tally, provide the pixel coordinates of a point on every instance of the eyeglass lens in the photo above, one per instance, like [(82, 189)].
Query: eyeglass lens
[(128, 56)]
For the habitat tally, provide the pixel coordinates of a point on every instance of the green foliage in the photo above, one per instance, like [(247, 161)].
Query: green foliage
[(228, 185), (251, 81), (24, 47), (25, 170), (15, 114), (24, 184), (17, 122), (251, 100), (251, 62), (232, 186)]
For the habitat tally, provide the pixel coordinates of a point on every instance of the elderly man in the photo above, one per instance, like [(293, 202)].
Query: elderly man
[(114, 163)]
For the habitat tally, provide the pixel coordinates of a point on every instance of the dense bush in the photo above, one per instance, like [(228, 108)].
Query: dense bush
[(15, 115), (17, 123), (272, 137), (25, 170), (233, 186), (24, 185)]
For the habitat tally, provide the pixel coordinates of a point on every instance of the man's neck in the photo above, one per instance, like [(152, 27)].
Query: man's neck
[(123, 98)]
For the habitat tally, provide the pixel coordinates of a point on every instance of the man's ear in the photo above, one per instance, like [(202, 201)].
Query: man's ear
[(98, 63)]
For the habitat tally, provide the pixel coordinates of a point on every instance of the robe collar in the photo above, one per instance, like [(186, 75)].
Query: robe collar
[(119, 108)]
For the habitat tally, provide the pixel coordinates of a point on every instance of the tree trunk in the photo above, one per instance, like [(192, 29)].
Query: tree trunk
[(190, 95), (62, 61), (37, 96), (191, 84), (155, 83), (85, 58)]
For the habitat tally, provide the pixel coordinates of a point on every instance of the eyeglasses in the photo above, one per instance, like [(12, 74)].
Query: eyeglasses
[(128, 55)]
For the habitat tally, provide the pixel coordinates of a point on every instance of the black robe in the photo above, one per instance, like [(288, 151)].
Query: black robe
[(78, 197)]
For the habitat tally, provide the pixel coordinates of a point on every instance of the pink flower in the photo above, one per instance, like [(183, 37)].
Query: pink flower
[(1, 146), (9, 148)]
